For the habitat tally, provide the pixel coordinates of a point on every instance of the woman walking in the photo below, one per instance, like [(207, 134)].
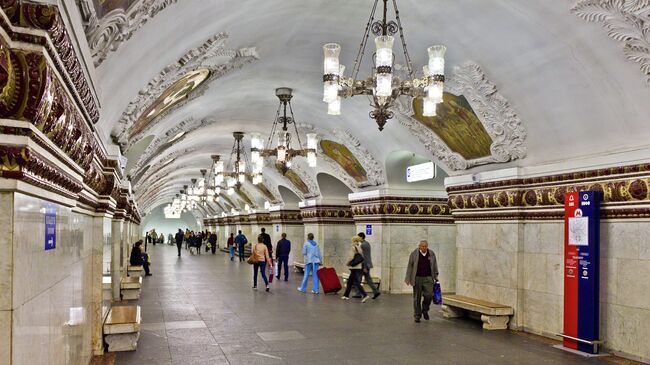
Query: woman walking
[(262, 258), (354, 262), (311, 253)]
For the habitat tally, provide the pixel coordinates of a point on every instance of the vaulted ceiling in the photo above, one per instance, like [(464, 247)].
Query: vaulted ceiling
[(545, 79)]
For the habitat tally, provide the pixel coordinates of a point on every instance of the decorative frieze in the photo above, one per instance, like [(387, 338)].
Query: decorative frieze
[(403, 210), (291, 217), (327, 214), (625, 189)]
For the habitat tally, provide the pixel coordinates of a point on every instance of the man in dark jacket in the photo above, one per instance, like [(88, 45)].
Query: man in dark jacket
[(179, 240), (241, 241), (213, 242), (282, 251), (267, 240), (367, 264), (422, 273), (139, 258)]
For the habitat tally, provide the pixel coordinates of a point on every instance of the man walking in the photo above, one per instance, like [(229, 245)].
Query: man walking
[(282, 250), (179, 240), (213, 242), (241, 241), (367, 265), (421, 273)]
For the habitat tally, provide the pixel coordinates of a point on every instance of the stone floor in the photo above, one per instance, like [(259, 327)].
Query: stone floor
[(202, 310)]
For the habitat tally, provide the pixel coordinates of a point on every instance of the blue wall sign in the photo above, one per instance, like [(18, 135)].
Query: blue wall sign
[(277, 228), (368, 229), (50, 227)]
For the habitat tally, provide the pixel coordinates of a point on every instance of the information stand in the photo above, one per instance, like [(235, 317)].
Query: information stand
[(581, 271)]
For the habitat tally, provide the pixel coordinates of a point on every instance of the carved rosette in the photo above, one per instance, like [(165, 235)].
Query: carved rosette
[(327, 214), (625, 195), (493, 110), (402, 210)]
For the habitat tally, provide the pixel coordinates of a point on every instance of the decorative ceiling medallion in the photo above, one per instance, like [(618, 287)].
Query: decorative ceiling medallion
[(211, 55), (174, 94), (112, 23), (500, 121), (627, 21)]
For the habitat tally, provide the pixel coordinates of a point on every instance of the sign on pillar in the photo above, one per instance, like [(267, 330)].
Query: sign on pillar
[(368, 229), (50, 226), (581, 271)]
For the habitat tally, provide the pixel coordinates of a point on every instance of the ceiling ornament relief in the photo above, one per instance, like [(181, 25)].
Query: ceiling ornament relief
[(107, 34), (499, 119), (374, 170), (154, 169), (211, 55), (627, 21), (301, 174), (188, 126)]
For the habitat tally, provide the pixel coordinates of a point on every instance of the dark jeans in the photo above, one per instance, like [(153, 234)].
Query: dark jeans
[(213, 247), (262, 267), (423, 287), (354, 280), (179, 245), (366, 275), (145, 263), (283, 261), (241, 253)]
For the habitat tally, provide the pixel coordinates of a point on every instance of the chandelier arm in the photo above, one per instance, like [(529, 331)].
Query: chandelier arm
[(295, 127), (273, 128), (407, 58), (364, 41)]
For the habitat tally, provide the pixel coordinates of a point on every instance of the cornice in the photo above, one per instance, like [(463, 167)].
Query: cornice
[(327, 214)]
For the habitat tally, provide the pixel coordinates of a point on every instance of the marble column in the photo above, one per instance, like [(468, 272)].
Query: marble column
[(6, 276), (116, 257), (96, 310), (289, 222)]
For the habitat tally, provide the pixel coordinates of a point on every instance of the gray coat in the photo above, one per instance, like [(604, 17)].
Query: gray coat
[(365, 248), (412, 268)]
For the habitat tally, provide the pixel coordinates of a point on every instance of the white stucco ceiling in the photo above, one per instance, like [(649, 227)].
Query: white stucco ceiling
[(569, 83)]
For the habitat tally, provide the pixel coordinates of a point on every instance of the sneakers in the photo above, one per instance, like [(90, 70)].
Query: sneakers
[(254, 287), (377, 294), (417, 320), (300, 290), (425, 315), (277, 277), (267, 288), (314, 292), (363, 300), (345, 298)]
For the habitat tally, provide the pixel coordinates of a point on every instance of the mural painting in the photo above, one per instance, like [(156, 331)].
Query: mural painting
[(342, 155), (295, 179), (246, 198), (457, 125), (174, 94)]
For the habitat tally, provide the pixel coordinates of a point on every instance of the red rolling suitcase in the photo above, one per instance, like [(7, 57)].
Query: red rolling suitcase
[(329, 280)]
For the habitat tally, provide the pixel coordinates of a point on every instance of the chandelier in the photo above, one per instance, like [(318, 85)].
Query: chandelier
[(236, 176), (283, 151), (383, 87)]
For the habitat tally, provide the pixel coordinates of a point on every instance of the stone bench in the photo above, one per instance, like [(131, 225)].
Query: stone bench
[(107, 289), (494, 316), (135, 270), (346, 275), (298, 266), (122, 328), (130, 287)]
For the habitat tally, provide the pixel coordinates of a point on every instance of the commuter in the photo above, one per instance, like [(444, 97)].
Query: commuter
[(367, 265), (241, 241), (355, 264), (262, 258), (187, 238), (311, 253), (170, 239), (154, 237), (269, 246), (139, 258), (161, 238), (179, 240), (147, 239), (282, 251), (422, 273), (213, 242), (231, 246), (198, 241)]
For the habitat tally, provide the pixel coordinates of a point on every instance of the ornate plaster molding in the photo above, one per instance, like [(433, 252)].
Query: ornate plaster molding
[(212, 55), (627, 21), (373, 168), (155, 166), (499, 119), (188, 126), (107, 34)]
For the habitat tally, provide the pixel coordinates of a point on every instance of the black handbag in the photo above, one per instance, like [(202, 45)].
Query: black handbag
[(356, 260)]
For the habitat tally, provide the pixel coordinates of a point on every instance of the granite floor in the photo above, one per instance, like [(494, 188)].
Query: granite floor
[(202, 310)]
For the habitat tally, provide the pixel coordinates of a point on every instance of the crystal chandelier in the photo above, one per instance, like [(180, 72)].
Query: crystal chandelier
[(235, 177), (383, 87), (284, 151)]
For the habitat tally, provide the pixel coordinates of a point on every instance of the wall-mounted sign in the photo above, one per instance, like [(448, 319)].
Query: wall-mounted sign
[(368, 229), (423, 171), (50, 226)]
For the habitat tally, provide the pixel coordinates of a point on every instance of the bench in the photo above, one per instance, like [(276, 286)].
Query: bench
[(122, 328), (298, 266), (346, 275), (135, 270), (130, 287), (494, 316)]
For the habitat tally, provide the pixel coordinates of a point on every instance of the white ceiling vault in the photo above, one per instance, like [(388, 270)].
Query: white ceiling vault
[(547, 80)]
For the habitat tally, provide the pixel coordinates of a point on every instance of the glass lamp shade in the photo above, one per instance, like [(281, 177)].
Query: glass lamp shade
[(218, 167), (330, 91), (210, 192), (231, 182), (231, 191), (311, 159), (282, 153), (331, 51), (255, 155), (428, 108), (241, 178), (334, 107), (384, 85), (312, 141), (384, 44), (257, 167), (256, 141), (218, 179), (288, 164), (217, 190), (241, 166), (435, 92), (437, 59)]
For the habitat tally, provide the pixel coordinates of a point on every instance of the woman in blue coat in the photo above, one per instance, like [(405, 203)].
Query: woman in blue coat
[(311, 252)]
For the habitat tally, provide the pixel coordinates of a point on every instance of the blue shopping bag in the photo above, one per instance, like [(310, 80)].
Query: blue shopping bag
[(437, 293)]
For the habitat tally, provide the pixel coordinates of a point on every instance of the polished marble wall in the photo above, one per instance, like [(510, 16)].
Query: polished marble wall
[(334, 240), (54, 308), (521, 264), (295, 234)]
